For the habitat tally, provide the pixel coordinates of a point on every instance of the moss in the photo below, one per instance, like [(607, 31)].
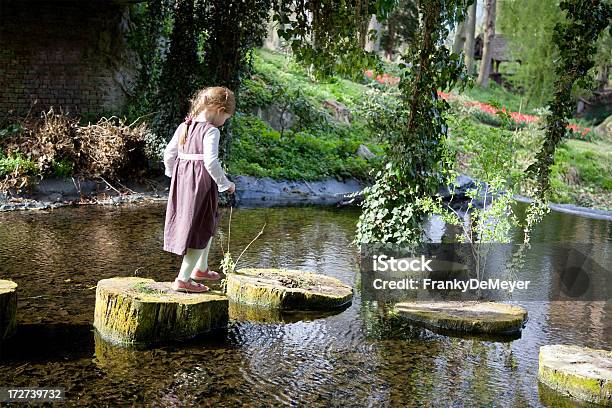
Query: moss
[(578, 372), (469, 317), (144, 288), (287, 289), (141, 311)]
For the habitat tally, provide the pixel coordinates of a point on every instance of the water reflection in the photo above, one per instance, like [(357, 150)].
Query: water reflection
[(358, 357)]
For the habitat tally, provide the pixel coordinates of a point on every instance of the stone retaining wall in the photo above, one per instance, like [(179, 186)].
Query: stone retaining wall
[(71, 55)]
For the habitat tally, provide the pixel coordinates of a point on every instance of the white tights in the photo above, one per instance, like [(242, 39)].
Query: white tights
[(192, 259)]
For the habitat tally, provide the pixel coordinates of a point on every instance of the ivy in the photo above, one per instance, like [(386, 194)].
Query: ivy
[(576, 40), (416, 130), (189, 44), (179, 77), (330, 35)]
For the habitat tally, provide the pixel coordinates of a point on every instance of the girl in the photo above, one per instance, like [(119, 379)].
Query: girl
[(191, 161)]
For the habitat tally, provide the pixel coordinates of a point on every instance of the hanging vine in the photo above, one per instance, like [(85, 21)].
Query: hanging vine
[(189, 44), (576, 39), (416, 157), (230, 32), (328, 35), (179, 75)]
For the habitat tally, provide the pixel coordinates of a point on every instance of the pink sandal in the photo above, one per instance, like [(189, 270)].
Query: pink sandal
[(206, 275), (189, 287)]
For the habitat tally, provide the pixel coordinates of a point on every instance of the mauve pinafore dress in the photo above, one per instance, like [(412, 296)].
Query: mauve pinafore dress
[(192, 213)]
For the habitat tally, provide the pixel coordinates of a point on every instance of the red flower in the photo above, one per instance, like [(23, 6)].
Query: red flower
[(385, 78)]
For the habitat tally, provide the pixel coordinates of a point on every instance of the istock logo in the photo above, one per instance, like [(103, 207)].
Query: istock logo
[(383, 263)]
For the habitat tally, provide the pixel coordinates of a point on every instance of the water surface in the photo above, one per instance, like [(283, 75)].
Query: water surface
[(354, 358)]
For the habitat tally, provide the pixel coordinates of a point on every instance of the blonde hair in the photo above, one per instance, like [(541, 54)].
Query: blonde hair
[(215, 98)]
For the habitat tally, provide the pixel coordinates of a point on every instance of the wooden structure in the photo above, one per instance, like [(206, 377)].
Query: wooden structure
[(581, 373), (140, 311), (500, 53), (287, 289)]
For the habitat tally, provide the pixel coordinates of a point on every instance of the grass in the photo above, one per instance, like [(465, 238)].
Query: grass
[(259, 150), (317, 146), (143, 287), (8, 164), (582, 173), (275, 66), (320, 147)]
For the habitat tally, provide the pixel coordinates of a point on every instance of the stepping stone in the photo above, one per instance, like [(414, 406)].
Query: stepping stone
[(8, 308), (579, 372), (140, 311), (467, 317), (286, 289)]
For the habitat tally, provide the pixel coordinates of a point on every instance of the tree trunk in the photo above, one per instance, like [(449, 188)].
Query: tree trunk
[(287, 289), (603, 71), (140, 311), (390, 45), (373, 44), (485, 63), (470, 32), (459, 41)]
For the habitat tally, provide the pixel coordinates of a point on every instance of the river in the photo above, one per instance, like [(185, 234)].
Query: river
[(353, 358)]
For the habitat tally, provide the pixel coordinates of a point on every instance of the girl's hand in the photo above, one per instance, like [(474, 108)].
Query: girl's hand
[(231, 188)]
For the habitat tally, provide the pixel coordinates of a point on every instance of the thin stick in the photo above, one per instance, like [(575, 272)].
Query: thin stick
[(308, 185), (75, 185), (130, 190), (141, 117), (247, 247), (109, 184), (229, 229)]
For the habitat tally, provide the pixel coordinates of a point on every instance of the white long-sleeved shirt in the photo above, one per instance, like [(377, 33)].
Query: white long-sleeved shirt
[(211, 156)]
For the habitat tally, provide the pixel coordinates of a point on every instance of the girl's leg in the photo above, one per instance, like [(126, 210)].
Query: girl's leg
[(202, 263), (189, 261), (201, 272)]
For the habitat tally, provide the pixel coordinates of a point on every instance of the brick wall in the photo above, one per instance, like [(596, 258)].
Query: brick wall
[(66, 54)]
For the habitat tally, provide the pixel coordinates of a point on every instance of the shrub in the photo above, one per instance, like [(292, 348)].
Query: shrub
[(259, 150), (59, 146), (63, 168), (15, 171)]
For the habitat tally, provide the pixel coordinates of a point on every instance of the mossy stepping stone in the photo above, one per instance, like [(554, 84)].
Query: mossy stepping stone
[(466, 317), (140, 311), (286, 289), (579, 372), (8, 308)]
